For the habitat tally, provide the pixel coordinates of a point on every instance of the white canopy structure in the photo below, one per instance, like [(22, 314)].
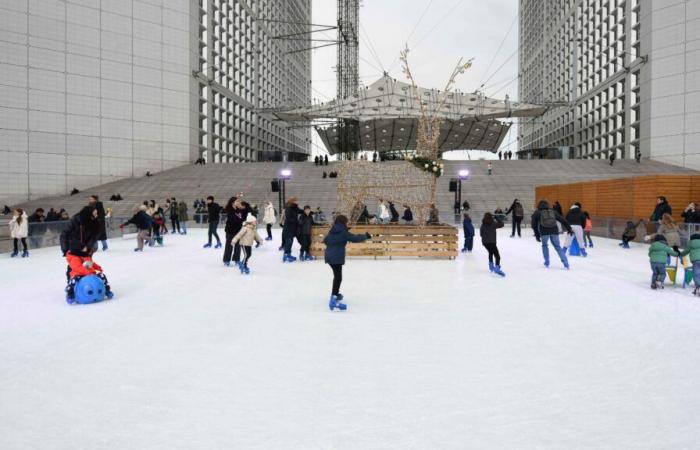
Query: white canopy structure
[(383, 117)]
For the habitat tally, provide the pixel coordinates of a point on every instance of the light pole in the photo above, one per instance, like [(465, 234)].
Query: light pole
[(463, 174), (285, 174)]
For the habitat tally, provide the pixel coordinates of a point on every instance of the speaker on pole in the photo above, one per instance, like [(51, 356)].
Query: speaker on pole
[(453, 185), (275, 185)]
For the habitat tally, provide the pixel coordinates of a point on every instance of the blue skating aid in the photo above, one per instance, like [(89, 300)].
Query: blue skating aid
[(574, 250), (89, 289)]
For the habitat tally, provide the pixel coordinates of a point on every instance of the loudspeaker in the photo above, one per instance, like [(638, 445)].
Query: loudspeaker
[(275, 184), (453, 185)]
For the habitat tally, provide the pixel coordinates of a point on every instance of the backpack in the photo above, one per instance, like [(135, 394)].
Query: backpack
[(518, 210), (548, 218)]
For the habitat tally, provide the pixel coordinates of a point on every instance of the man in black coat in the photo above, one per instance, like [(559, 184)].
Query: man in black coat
[(662, 207), (82, 231), (95, 202), (544, 224), (290, 230), (143, 223), (518, 214), (236, 214), (213, 213)]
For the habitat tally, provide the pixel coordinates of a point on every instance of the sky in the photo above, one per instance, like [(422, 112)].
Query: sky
[(438, 33)]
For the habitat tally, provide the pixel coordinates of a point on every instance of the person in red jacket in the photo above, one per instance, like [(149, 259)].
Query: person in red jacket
[(81, 264)]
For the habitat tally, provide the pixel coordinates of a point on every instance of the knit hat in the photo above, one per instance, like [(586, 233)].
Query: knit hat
[(251, 219), (659, 238)]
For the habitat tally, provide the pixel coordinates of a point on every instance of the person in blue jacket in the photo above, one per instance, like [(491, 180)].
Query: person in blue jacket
[(336, 240), (468, 232)]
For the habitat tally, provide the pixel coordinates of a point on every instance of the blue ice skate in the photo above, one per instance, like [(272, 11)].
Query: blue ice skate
[(109, 295), (497, 270), (566, 265), (583, 252), (138, 249), (288, 258), (218, 245), (207, 245), (334, 303), (104, 246), (310, 258), (491, 266), (25, 254), (227, 263), (13, 254), (245, 270)]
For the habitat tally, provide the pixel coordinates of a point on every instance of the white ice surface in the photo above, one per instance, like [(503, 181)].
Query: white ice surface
[(430, 355)]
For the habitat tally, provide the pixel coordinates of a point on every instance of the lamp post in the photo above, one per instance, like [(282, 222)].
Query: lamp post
[(285, 174), (463, 174)]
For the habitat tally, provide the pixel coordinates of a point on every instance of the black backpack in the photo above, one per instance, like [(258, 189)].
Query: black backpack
[(518, 210), (548, 218)]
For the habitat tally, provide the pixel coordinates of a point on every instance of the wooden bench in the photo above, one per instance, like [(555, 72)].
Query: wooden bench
[(432, 241)]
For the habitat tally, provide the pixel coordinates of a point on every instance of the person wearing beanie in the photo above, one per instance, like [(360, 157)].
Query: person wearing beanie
[(245, 237), (143, 223), (693, 250), (335, 241), (659, 251), (576, 220), (306, 223)]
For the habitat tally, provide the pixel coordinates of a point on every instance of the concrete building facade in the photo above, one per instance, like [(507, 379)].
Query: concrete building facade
[(92, 91), (623, 74)]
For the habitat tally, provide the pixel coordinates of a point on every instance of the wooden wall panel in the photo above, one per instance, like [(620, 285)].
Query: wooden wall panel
[(625, 197)]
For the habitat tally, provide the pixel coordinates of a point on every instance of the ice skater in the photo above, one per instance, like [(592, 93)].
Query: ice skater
[(290, 229), (246, 237), (588, 227), (19, 230), (236, 214), (489, 236), (213, 213), (468, 228), (143, 223), (306, 223), (659, 252), (544, 224), (81, 265), (336, 240), (269, 219), (630, 233), (693, 250), (576, 220)]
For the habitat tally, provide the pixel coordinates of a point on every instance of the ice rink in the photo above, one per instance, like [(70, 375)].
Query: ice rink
[(430, 354)]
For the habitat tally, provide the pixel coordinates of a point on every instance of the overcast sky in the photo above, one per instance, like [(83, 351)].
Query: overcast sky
[(438, 32)]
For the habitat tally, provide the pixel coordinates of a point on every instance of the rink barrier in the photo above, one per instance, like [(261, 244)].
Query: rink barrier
[(390, 241)]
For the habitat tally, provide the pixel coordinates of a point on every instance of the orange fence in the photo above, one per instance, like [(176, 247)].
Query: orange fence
[(625, 197)]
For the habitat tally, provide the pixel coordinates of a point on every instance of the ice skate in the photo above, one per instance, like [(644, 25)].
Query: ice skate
[(659, 284), (105, 247), (227, 263), (491, 266), (653, 286), (566, 266), (583, 253), (696, 291), (334, 303), (13, 254), (138, 249), (245, 270), (464, 250), (109, 295), (207, 245), (288, 258), (25, 254), (497, 270), (218, 245)]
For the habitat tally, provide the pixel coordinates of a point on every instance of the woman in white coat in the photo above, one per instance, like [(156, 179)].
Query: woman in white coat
[(269, 219), (19, 230)]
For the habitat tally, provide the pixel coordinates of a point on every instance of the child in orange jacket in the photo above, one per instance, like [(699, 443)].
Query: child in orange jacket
[(587, 231), (81, 265)]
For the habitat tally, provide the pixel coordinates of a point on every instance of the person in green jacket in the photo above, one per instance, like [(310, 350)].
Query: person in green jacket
[(658, 252), (182, 215), (693, 250)]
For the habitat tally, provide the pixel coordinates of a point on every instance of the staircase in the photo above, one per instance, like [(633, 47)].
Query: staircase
[(510, 179)]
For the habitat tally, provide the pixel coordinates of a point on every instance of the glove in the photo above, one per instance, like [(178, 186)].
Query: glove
[(368, 236), (87, 264)]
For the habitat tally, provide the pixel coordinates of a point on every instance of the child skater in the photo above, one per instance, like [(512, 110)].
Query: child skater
[(587, 228), (246, 237), (659, 251), (489, 225), (694, 250), (468, 227), (306, 222), (269, 219), (336, 240), (629, 234), (81, 264)]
